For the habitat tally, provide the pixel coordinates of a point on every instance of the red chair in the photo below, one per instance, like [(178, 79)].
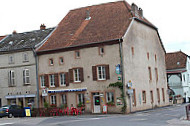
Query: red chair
[(73, 111), (66, 111)]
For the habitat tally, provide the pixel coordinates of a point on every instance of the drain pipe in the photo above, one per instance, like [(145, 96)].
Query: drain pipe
[(37, 83), (122, 78)]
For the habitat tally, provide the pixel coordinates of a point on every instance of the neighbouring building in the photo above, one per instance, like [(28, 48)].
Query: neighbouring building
[(78, 61), (178, 74), (18, 84)]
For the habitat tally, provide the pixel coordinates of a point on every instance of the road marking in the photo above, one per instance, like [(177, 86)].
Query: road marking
[(5, 124)]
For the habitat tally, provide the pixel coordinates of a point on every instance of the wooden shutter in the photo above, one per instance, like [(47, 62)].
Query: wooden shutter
[(81, 74), (94, 73), (9, 80), (24, 77), (56, 80), (71, 75), (67, 78), (46, 80), (107, 72)]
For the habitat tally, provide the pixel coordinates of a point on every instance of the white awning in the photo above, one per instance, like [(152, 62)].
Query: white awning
[(20, 96), (67, 90)]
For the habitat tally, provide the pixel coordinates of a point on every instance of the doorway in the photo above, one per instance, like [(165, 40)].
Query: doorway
[(96, 103)]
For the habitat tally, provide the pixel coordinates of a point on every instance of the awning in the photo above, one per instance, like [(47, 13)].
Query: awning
[(67, 90), (20, 96)]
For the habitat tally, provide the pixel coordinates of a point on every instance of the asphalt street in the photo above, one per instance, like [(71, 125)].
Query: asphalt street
[(167, 116)]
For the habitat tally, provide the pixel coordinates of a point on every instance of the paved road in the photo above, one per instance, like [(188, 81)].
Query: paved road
[(168, 116)]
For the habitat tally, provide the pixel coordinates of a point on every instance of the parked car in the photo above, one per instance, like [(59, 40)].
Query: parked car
[(11, 110)]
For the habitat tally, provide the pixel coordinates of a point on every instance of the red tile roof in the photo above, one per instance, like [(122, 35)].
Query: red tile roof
[(176, 60), (108, 22), (2, 37)]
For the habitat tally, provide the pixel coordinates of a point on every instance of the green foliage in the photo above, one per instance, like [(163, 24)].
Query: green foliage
[(111, 103), (120, 86), (46, 105), (116, 84), (63, 106), (80, 105)]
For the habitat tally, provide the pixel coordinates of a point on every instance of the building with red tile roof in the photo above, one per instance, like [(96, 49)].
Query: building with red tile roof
[(178, 73), (97, 45)]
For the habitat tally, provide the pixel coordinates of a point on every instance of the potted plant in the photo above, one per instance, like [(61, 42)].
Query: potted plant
[(111, 103)]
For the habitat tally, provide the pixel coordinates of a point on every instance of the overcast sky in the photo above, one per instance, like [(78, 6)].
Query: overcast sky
[(171, 17)]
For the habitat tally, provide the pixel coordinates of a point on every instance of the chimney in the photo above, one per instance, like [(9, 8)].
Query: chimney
[(134, 8), (42, 27), (88, 14), (140, 12), (14, 32)]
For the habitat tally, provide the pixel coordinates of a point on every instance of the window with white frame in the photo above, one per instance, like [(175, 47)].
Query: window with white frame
[(62, 79), (42, 81), (26, 76), (110, 97), (52, 80), (25, 57), (101, 73), (77, 75), (11, 78), (64, 99), (81, 99), (11, 59), (53, 100)]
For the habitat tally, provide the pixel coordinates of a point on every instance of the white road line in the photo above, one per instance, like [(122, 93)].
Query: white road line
[(5, 124)]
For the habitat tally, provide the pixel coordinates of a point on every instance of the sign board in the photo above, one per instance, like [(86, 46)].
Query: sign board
[(117, 69), (27, 111), (130, 91), (105, 108), (129, 84), (44, 92), (119, 101)]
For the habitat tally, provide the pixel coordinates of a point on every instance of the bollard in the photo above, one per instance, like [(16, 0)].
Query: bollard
[(188, 111)]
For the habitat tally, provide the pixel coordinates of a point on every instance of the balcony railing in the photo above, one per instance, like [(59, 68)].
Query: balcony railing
[(174, 84)]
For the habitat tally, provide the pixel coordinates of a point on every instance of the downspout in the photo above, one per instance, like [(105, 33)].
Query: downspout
[(122, 78), (37, 84)]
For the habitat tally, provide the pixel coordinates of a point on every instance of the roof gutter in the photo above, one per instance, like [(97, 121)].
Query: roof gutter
[(83, 45)]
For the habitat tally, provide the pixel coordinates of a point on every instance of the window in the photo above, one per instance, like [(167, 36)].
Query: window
[(156, 74), (64, 99), (101, 73), (144, 96), (77, 75), (151, 97), (50, 62), (147, 55), (53, 100), (11, 78), (42, 81), (11, 59), (25, 57), (134, 98), (52, 80), (61, 60), (62, 79), (163, 95), (81, 99), (101, 50), (77, 54), (158, 95), (110, 97), (132, 50), (150, 75), (184, 77), (155, 58), (26, 76)]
